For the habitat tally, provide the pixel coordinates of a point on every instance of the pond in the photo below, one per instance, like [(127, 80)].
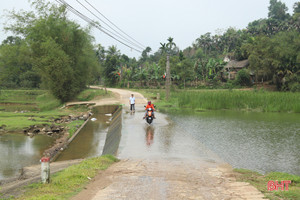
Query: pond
[(18, 151), (263, 142)]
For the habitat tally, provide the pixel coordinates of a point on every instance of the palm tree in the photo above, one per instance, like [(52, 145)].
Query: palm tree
[(163, 48), (170, 45), (113, 51)]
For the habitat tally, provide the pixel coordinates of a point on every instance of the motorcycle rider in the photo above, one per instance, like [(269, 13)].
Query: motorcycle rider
[(149, 105)]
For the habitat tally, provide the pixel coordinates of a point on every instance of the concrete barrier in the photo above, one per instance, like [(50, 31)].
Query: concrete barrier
[(113, 135)]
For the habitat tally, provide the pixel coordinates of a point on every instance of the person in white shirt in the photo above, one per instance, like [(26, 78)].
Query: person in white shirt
[(132, 103)]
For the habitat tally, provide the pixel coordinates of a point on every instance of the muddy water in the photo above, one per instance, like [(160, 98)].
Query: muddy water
[(18, 151), (91, 139), (163, 139), (259, 141)]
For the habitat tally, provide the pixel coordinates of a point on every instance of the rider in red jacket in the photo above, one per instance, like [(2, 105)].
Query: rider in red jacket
[(149, 105)]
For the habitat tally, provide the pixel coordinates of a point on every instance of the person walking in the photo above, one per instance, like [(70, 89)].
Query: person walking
[(132, 103)]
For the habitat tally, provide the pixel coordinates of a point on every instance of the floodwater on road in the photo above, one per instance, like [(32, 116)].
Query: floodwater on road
[(18, 150), (262, 142), (162, 139)]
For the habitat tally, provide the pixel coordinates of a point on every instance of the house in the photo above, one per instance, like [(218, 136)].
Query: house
[(233, 66)]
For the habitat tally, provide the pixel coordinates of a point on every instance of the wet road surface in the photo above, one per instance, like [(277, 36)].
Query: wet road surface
[(162, 161)]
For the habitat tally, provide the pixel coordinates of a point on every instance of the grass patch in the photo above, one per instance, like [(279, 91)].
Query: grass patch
[(70, 181), (20, 96), (260, 182), (90, 94), (47, 102), (229, 99), (18, 121), (27, 100), (37, 104), (73, 126)]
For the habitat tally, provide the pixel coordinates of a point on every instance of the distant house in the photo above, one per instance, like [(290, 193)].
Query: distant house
[(233, 67)]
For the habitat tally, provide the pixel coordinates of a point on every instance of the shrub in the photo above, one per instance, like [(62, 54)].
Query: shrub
[(243, 78)]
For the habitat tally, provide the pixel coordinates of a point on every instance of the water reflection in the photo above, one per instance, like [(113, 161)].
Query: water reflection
[(92, 139), (259, 141), (149, 135), (18, 151)]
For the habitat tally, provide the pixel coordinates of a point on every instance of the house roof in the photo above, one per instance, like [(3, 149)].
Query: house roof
[(237, 64)]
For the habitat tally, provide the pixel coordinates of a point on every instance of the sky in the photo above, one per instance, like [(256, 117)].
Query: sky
[(152, 22)]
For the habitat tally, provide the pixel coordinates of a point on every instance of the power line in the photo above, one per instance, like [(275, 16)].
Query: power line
[(119, 35), (93, 23), (113, 23), (90, 21)]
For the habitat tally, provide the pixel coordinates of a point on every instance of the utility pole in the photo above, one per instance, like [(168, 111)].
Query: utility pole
[(168, 78)]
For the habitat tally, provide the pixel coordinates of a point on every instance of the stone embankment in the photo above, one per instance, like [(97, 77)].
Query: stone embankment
[(58, 130), (58, 127)]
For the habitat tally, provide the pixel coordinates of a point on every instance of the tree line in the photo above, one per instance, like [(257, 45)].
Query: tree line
[(48, 50), (271, 46)]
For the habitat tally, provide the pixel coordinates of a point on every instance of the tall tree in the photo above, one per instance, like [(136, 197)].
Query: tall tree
[(277, 10), (61, 51), (170, 45)]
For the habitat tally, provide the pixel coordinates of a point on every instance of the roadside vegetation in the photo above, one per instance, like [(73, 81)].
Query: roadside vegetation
[(90, 94), (23, 108), (253, 100), (260, 182), (65, 59), (70, 181)]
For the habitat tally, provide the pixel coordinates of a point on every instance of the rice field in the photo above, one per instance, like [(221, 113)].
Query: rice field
[(252, 100), (239, 100)]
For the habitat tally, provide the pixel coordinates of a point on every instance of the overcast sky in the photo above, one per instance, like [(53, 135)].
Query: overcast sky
[(152, 22)]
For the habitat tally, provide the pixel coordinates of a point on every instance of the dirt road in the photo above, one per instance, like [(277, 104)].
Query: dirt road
[(119, 96), (163, 162)]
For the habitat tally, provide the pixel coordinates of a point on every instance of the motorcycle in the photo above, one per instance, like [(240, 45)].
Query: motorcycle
[(149, 115)]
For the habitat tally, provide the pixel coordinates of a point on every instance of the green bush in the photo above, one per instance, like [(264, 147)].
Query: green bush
[(243, 78)]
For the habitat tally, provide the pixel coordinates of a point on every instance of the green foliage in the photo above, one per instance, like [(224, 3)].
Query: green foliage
[(15, 65), (90, 94), (260, 182), (37, 104), (243, 78), (70, 181), (277, 10), (276, 56), (110, 69), (236, 100), (40, 105), (57, 48), (73, 126), (47, 102)]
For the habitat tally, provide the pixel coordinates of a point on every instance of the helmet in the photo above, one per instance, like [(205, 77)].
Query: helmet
[(149, 102)]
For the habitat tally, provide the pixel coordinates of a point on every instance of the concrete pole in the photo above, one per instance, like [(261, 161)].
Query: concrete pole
[(45, 170), (168, 78)]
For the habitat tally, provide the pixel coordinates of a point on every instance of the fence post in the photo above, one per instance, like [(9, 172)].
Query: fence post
[(45, 169)]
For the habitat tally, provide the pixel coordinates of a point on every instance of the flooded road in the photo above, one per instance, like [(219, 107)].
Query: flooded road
[(262, 142), (259, 141), (19, 150), (256, 141), (162, 139)]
